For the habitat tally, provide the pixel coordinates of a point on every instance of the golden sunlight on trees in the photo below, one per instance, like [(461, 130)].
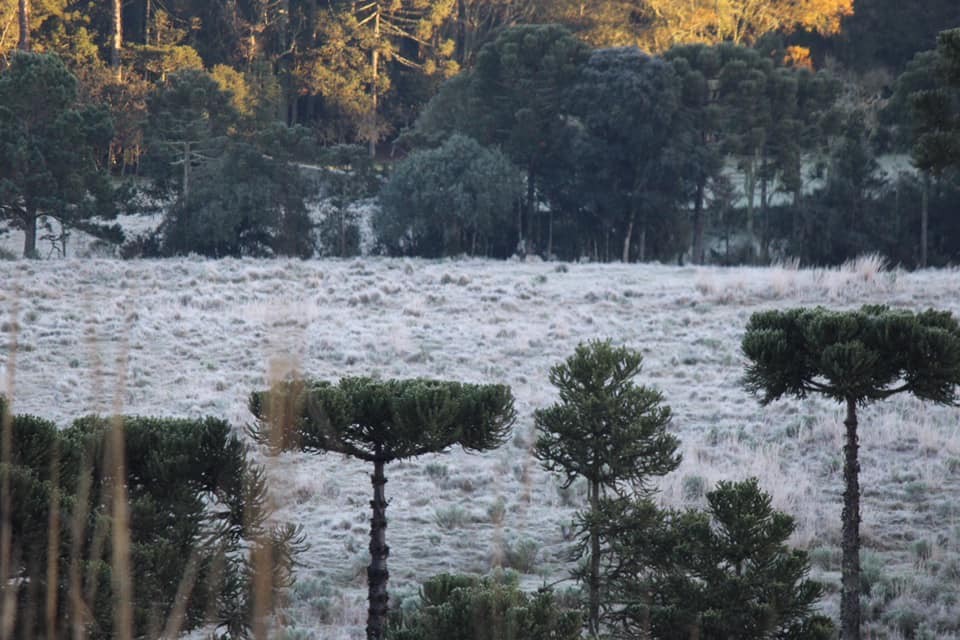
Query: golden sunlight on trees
[(657, 25), (739, 21)]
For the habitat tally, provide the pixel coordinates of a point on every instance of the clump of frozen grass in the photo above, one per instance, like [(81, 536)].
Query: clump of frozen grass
[(785, 279), (520, 555), (497, 511), (452, 517), (317, 595), (437, 470)]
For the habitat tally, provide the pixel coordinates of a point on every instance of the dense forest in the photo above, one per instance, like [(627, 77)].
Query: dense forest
[(725, 132)]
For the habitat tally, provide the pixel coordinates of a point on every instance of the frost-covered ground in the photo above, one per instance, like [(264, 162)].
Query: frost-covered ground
[(193, 337)]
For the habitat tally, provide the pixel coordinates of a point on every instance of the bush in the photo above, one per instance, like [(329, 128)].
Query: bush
[(521, 555), (242, 203), (457, 198), (457, 607), (196, 512)]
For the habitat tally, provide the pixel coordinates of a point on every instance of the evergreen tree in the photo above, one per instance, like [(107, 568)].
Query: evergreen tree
[(381, 422), (856, 358), (189, 119), (513, 98), (608, 431), (349, 175), (627, 103), (937, 116), (197, 519), (50, 150), (457, 198), (462, 607), (720, 573)]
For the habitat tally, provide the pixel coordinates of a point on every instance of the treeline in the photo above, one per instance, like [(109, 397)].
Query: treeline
[(507, 137)]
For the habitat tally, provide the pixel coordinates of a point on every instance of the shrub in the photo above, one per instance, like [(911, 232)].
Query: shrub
[(457, 198), (521, 555), (452, 517), (196, 512), (243, 204), (457, 607)]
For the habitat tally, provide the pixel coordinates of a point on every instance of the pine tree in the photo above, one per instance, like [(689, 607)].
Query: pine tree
[(49, 149), (381, 422), (724, 572), (608, 431), (856, 358)]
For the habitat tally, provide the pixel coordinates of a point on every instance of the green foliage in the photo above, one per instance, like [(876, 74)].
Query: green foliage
[(865, 355), (49, 149), (457, 198), (382, 420), (937, 111), (459, 607), (605, 428), (608, 431), (244, 203), (189, 117), (626, 104), (197, 511), (719, 573), (349, 176)]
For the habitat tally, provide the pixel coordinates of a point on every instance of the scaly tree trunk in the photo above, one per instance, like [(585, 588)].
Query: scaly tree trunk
[(698, 221), (629, 234), (377, 574), (375, 97), (30, 235), (594, 620), (24, 16), (924, 218), (850, 598), (642, 241), (116, 41), (186, 172)]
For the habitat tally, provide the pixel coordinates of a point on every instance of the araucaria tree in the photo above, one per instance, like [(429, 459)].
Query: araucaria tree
[(380, 422), (854, 357), (608, 431)]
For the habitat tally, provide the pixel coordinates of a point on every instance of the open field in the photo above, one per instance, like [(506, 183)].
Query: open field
[(194, 337)]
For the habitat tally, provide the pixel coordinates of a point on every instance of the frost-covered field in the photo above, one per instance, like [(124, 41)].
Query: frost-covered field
[(194, 337)]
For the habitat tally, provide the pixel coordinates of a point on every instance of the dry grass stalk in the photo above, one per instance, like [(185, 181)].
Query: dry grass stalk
[(120, 562), (8, 606)]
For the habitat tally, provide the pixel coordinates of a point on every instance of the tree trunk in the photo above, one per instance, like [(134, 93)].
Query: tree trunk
[(531, 194), (116, 41), (850, 598), (147, 12), (24, 15), (550, 235), (628, 235), (30, 235), (749, 188), (642, 241), (377, 573), (521, 248), (594, 619), (924, 218), (698, 221), (186, 172), (764, 215), (375, 63)]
